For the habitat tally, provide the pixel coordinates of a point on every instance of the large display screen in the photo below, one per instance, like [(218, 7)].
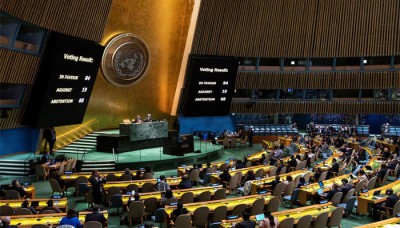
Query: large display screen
[(210, 84), (64, 82)]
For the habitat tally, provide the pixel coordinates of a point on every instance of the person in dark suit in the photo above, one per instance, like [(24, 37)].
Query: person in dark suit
[(246, 223), (45, 158), (334, 169), (138, 119), (50, 207), (250, 135), (49, 134), (185, 183), (390, 201), (381, 173), (148, 118), (346, 187), (275, 182), (17, 187), (96, 216), (180, 210), (97, 184)]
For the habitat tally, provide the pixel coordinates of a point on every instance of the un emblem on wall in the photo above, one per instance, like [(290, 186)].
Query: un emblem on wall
[(125, 60)]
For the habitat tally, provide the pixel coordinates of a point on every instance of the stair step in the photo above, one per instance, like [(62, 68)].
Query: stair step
[(87, 140), (98, 165), (102, 169), (98, 162), (14, 163), (15, 168), (13, 173), (80, 146), (80, 142)]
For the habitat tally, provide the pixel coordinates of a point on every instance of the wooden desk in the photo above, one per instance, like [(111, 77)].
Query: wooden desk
[(285, 141), (61, 204), (23, 221), (30, 191), (383, 223), (302, 149), (177, 193), (257, 185), (173, 182), (256, 156), (367, 198), (297, 213), (72, 177), (266, 168), (327, 164), (307, 192), (230, 203), (390, 146), (184, 169)]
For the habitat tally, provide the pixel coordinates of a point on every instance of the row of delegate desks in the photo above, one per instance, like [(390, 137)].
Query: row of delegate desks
[(215, 176), (176, 193), (392, 147), (173, 182), (72, 177), (230, 203), (185, 169), (257, 185), (306, 192), (23, 221), (61, 203), (297, 213), (368, 198), (392, 222)]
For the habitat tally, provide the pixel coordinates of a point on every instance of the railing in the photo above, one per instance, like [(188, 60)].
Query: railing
[(75, 134)]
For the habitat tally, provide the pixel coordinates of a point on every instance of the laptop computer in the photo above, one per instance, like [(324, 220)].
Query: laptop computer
[(227, 162), (232, 217), (376, 193), (321, 184), (368, 167), (260, 217), (323, 201)]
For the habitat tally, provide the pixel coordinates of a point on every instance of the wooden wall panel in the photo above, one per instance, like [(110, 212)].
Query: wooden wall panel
[(80, 18), (17, 67), (326, 80), (298, 28), (310, 107)]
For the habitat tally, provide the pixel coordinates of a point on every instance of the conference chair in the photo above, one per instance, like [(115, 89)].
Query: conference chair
[(336, 218), (258, 206), (278, 190), (61, 169), (283, 170), (12, 194), (131, 188), (6, 210), (55, 187), (287, 222), (348, 206), (89, 198), (41, 172), (111, 177), (23, 211), (220, 194), (360, 185), (183, 221), (239, 209), (73, 165), (150, 206), (136, 211), (81, 185), (232, 184), (371, 183), (219, 214), (288, 189), (336, 198), (321, 220), (307, 176), (259, 173), (68, 166), (65, 226), (383, 181), (125, 177), (188, 197), (205, 196), (347, 196), (148, 187), (116, 202), (92, 224), (206, 179), (390, 212), (323, 176), (159, 216), (194, 176), (223, 166), (112, 191), (273, 204), (47, 212), (147, 176), (393, 173), (292, 199), (240, 177), (304, 221), (200, 217)]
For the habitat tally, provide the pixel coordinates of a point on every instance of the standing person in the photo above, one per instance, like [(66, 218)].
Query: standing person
[(49, 134), (250, 135), (163, 186), (71, 219), (97, 183)]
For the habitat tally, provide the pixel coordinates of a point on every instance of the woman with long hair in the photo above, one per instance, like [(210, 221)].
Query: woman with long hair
[(269, 221)]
